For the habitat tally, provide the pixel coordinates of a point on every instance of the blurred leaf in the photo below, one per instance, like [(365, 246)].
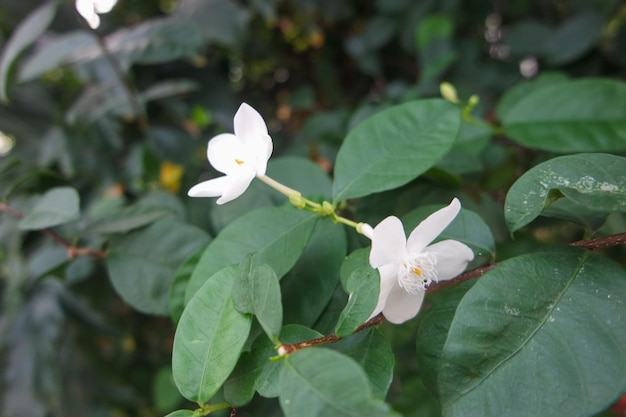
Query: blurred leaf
[(308, 287), (52, 53), (322, 382), (576, 116), (57, 206), (142, 264), (520, 91), (168, 88), (394, 146), (181, 413), (24, 35), (362, 287), (277, 235), (595, 181), (209, 339), (373, 352), (171, 144), (573, 38), (434, 43), (221, 21), (556, 315), (527, 37), (126, 219), (164, 392)]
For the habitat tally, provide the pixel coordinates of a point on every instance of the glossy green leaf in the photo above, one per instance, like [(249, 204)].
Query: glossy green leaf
[(318, 382), (595, 181), (362, 287), (468, 227), (276, 234), (209, 339), (555, 315), (373, 352), (57, 206), (585, 115), (394, 146), (142, 264), (300, 174), (256, 290), (23, 36), (309, 286)]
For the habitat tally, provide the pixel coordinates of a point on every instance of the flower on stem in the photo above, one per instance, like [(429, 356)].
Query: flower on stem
[(408, 266), (241, 156)]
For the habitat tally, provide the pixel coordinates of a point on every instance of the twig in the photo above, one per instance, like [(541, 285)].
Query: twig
[(602, 242), (72, 251), (288, 348)]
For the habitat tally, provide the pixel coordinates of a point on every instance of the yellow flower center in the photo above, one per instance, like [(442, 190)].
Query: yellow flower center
[(239, 162), (417, 272)]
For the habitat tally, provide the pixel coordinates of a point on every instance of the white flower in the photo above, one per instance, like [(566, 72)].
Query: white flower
[(241, 157), (89, 10), (408, 266)]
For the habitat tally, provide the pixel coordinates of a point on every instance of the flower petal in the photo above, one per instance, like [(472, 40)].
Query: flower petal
[(237, 186), (211, 188), (249, 124), (402, 306), (388, 279), (432, 226), (452, 258), (388, 243), (228, 154), (262, 151)]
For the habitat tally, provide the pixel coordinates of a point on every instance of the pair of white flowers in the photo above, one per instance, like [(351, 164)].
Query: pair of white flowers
[(406, 266)]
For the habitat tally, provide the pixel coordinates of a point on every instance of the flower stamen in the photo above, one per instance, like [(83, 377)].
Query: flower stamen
[(418, 272), (239, 162)]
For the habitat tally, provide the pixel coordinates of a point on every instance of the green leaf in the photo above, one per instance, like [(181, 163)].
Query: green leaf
[(373, 352), (433, 330), (518, 92), (256, 290), (309, 286), (23, 36), (394, 146), (142, 264), (268, 382), (363, 287), (57, 206), (181, 413), (55, 53), (468, 227), (176, 297), (556, 315), (318, 382), (164, 392), (573, 38), (276, 234), (209, 339), (126, 219), (575, 116), (595, 181)]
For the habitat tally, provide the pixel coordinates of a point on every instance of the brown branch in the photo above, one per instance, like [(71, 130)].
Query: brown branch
[(289, 348), (72, 251), (602, 242)]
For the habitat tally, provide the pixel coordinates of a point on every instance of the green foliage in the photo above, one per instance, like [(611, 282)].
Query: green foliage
[(123, 296), (593, 181), (530, 304)]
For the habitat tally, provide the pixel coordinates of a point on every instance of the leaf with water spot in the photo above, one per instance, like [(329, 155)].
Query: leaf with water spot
[(594, 181)]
